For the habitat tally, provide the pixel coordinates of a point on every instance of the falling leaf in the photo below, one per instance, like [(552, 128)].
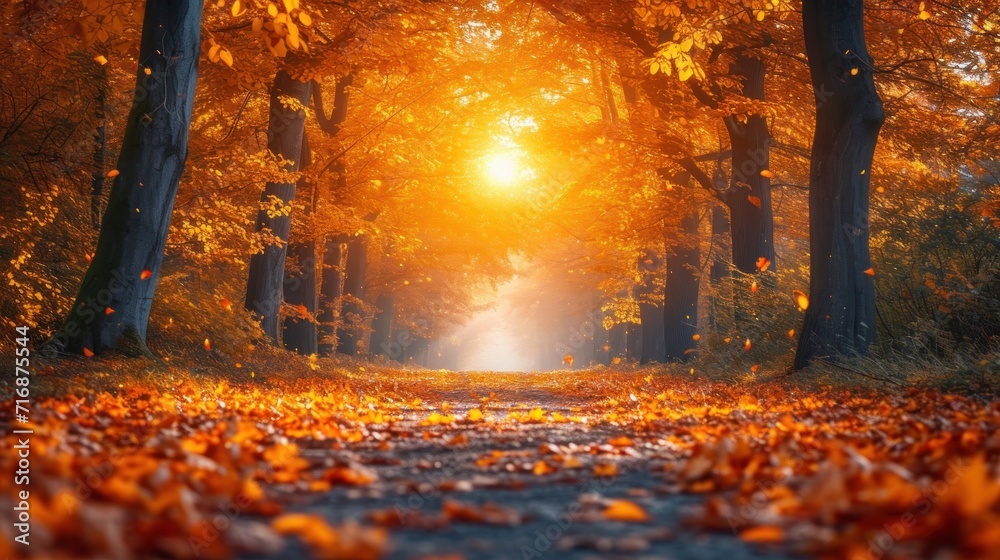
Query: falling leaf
[(101, 59), (763, 263), (208, 345), (870, 271), (108, 311), (568, 360), (145, 275), (747, 345), (696, 337), (753, 287), (767, 174), (854, 71), (791, 333), (88, 352), (226, 304), (801, 299), (755, 200), (475, 415), (113, 173)]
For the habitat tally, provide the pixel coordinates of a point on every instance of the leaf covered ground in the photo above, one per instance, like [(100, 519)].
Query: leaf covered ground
[(382, 463)]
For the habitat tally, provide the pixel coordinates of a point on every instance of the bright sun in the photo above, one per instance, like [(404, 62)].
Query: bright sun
[(502, 168)]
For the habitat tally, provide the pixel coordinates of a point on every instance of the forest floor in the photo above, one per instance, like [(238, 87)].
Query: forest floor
[(372, 462)]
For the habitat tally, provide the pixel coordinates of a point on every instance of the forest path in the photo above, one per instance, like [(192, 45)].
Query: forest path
[(525, 481)]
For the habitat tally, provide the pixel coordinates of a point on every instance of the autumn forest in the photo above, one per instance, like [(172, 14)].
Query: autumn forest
[(500, 279)]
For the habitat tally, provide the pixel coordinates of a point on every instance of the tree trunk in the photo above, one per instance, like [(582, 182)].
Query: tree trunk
[(650, 314), (750, 193), (267, 269), (112, 308), (840, 320), (330, 294), (680, 306), (299, 333), (100, 146), (382, 326), (720, 266), (354, 286)]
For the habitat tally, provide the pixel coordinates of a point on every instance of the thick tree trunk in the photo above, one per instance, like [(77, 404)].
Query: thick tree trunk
[(112, 308), (840, 320), (299, 333), (382, 326), (720, 266), (330, 294), (100, 146), (752, 220), (267, 269), (350, 334), (680, 306)]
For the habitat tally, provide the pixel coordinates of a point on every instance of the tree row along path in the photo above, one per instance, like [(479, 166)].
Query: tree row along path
[(382, 463)]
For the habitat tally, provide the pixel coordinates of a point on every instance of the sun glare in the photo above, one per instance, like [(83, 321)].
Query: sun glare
[(502, 168)]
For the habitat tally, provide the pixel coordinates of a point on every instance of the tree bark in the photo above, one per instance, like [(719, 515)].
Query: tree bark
[(299, 333), (100, 146), (113, 305), (840, 320), (680, 305), (349, 335), (330, 295), (720, 266), (382, 326), (751, 216), (267, 269)]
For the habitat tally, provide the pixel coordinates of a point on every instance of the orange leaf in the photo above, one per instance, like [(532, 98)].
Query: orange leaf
[(763, 263), (542, 468), (622, 441), (763, 534), (108, 311), (605, 469), (145, 275), (753, 287), (624, 510), (88, 352), (113, 173), (801, 299), (747, 345), (870, 272), (208, 345), (226, 304), (766, 173), (754, 200)]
